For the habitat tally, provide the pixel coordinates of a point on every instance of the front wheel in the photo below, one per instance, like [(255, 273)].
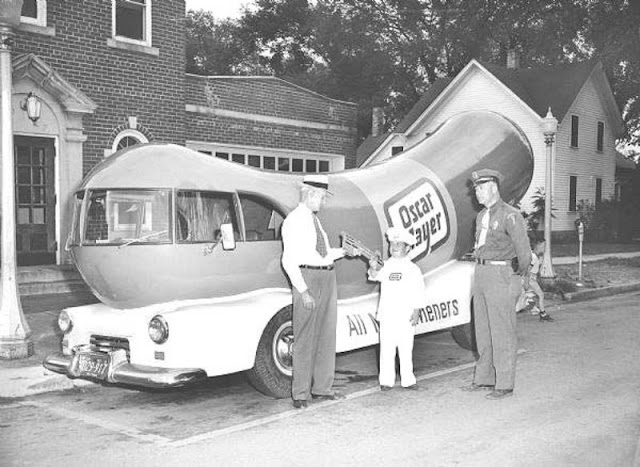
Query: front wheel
[(271, 374)]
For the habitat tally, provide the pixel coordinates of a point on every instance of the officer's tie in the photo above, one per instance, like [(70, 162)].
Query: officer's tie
[(321, 246)]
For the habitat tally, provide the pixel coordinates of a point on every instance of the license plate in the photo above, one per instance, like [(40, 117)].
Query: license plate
[(93, 365)]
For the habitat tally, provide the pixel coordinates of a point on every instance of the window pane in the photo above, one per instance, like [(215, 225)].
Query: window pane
[(38, 215), (199, 215), (254, 161), (324, 166), (129, 20), (311, 166), (38, 175), (23, 156), (38, 195), (269, 163), (297, 165), (24, 175), (208, 153), (574, 131), (30, 9), (262, 221), (573, 185), (239, 158), (128, 216), (222, 155), (600, 142), (283, 164), (23, 215), (24, 194), (38, 156)]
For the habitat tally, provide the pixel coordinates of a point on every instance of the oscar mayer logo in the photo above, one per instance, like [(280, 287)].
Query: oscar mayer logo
[(420, 210)]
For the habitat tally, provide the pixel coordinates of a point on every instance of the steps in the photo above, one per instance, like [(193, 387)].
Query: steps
[(50, 279)]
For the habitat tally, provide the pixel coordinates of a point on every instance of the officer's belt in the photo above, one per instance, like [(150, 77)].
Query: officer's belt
[(490, 262), (324, 268)]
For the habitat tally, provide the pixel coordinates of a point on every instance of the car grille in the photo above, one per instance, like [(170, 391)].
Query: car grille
[(108, 343)]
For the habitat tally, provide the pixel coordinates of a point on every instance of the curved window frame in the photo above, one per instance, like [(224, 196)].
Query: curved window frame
[(129, 133)]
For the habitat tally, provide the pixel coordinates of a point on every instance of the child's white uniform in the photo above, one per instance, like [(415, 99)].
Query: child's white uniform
[(401, 292)]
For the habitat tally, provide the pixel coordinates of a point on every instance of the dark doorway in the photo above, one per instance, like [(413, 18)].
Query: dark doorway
[(35, 200)]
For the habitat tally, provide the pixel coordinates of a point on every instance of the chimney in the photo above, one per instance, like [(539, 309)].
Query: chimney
[(377, 121), (513, 60)]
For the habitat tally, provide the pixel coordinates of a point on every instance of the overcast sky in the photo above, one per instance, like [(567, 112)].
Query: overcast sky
[(220, 8)]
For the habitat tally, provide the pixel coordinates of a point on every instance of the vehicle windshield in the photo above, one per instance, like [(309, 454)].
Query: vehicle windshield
[(125, 217)]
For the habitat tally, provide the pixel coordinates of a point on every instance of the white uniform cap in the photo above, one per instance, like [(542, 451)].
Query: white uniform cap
[(396, 234), (317, 181)]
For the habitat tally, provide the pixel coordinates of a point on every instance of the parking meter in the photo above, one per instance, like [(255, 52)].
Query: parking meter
[(580, 226)]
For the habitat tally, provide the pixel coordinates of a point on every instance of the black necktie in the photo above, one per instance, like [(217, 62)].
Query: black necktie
[(321, 247)]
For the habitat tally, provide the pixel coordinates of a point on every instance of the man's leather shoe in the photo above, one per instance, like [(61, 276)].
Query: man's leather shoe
[(329, 397), (500, 394), (478, 387), (386, 388), (299, 404), (413, 387)]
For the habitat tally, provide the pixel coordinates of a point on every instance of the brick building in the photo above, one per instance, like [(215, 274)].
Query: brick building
[(109, 74)]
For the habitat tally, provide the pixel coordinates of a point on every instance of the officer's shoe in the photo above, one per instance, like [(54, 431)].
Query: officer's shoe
[(544, 316), (413, 387), (500, 394), (386, 388), (299, 404), (329, 397), (478, 387)]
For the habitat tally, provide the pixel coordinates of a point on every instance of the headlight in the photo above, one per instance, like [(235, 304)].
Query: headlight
[(158, 329), (64, 322)]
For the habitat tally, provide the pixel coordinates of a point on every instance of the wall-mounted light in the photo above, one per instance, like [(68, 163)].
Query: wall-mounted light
[(33, 106)]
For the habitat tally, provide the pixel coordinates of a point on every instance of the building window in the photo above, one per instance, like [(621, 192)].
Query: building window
[(598, 191), (573, 189), (128, 138), (34, 12), (574, 131), (396, 150), (132, 21), (600, 143)]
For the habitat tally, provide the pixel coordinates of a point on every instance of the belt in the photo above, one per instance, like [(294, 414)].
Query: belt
[(490, 262), (323, 268)]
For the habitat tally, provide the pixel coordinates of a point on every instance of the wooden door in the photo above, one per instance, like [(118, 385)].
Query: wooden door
[(35, 200)]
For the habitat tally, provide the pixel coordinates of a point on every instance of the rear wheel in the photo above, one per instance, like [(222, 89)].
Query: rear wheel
[(271, 374), (465, 334)]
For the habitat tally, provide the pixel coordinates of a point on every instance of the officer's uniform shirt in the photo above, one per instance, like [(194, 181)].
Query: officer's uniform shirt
[(299, 245), (401, 289), (502, 235)]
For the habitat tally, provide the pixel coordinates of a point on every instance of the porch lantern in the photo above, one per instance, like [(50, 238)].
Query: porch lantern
[(15, 335), (549, 129), (33, 106)]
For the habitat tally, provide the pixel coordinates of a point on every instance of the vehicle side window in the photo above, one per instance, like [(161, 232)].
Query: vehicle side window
[(262, 220), (199, 215)]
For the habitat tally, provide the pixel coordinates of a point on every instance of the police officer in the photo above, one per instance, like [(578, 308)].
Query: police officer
[(502, 254)]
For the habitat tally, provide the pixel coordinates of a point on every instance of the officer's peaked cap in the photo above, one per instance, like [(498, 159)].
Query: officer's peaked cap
[(486, 175)]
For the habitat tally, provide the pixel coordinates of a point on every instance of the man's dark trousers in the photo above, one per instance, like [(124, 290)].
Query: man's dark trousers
[(496, 290), (314, 332)]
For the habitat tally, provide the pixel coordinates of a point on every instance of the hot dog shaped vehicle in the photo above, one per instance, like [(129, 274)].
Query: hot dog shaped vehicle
[(183, 250)]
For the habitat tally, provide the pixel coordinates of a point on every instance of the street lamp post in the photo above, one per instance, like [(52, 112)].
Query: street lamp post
[(550, 127), (15, 335)]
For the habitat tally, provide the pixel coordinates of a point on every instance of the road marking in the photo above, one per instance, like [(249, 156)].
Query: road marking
[(90, 420), (294, 412)]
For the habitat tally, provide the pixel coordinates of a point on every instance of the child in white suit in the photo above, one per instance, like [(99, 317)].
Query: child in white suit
[(401, 295)]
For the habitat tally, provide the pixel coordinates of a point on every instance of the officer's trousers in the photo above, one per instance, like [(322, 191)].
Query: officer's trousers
[(495, 292), (396, 333), (314, 333)]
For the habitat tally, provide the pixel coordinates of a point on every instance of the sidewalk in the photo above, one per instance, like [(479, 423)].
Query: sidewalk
[(25, 377)]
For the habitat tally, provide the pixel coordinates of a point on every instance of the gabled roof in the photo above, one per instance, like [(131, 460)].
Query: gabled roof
[(542, 87), (539, 88)]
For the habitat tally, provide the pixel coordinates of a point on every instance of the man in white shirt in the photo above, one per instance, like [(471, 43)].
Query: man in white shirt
[(307, 258)]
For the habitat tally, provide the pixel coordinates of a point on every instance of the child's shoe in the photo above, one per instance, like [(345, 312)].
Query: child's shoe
[(544, 316)]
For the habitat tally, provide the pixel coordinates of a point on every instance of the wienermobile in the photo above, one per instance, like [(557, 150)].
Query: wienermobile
[(183, 251)]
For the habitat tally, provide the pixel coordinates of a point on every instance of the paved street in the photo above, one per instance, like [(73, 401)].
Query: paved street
[(576, 404)]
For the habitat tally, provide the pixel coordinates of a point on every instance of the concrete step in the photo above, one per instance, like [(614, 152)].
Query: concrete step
[(49, 279)]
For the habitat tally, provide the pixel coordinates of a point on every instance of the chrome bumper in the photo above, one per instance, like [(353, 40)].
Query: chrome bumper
[(126, 373)]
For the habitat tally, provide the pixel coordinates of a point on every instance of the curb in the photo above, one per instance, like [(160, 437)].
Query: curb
[(600, 292), (29, 381)]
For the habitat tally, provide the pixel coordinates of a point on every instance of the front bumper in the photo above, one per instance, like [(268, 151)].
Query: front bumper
[(120, 371)]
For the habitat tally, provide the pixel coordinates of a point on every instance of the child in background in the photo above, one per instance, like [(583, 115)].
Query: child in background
[(536, 260), (401, 295)]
